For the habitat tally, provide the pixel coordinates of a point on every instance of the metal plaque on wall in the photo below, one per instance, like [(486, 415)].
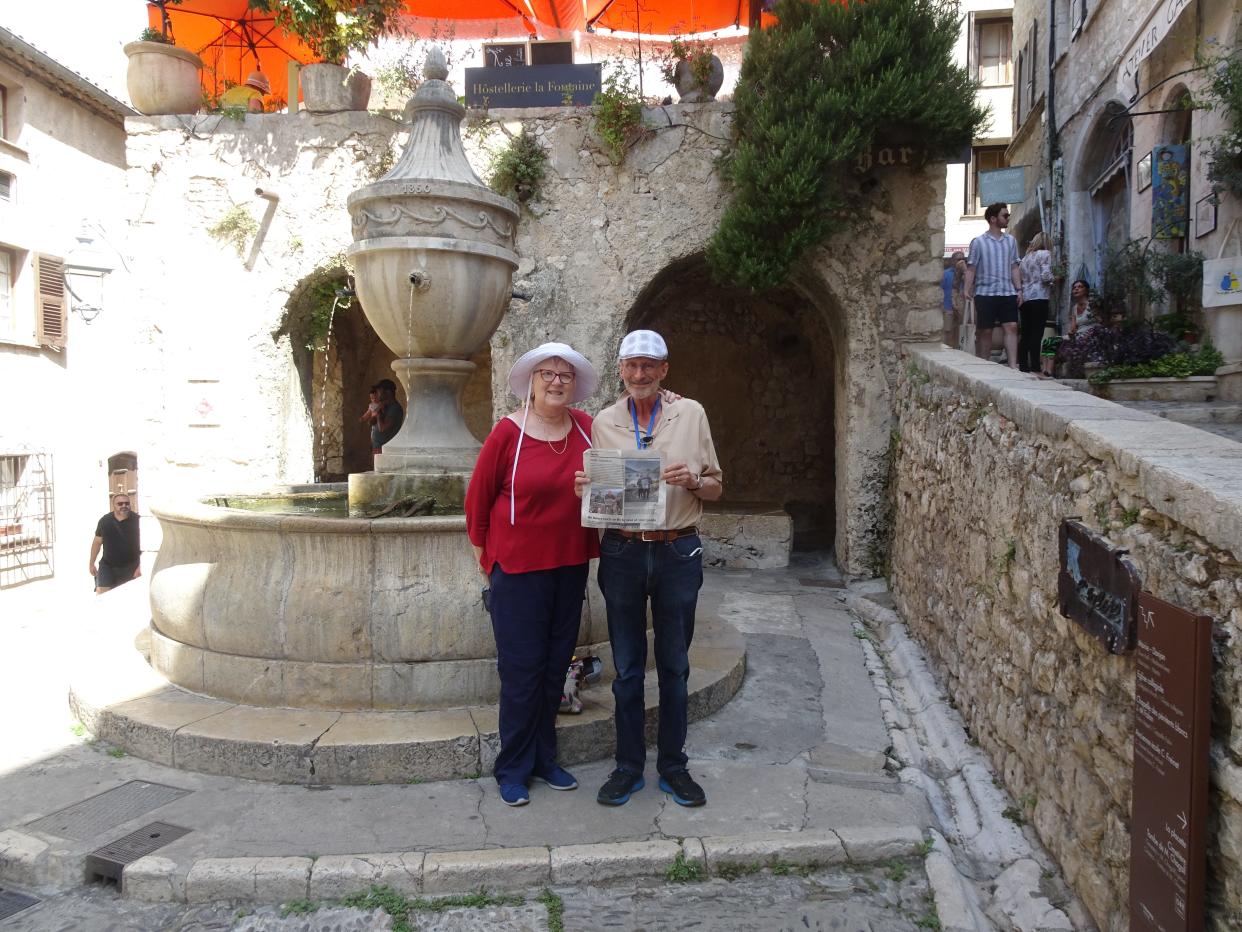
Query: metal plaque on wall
[(1172, 722), (1097, 587)]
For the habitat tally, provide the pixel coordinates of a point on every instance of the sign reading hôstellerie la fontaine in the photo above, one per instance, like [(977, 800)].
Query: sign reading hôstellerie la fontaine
[(533, 86)]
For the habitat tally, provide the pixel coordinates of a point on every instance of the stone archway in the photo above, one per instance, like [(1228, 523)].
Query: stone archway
[(764, 370)]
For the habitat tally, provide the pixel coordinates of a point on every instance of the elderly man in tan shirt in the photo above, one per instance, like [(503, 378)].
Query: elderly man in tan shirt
[(664, 566)]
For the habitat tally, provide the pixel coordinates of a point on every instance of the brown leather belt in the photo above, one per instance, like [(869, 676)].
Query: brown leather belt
[(650, 537)]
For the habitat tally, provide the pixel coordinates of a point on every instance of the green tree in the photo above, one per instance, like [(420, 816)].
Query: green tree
[(817, 90)]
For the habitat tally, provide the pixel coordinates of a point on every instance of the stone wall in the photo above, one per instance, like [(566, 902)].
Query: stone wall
[(989, 463)]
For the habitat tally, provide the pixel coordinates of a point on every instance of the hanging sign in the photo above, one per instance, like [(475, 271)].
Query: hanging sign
[(1172, 724), (1144, 43), (1003, 185), (1170, 191), (533, 86)]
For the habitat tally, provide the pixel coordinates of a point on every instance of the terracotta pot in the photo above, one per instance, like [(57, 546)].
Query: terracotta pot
[(163, 78), (331, 88), (688, 89)]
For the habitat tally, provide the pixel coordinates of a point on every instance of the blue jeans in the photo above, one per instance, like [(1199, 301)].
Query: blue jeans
[(535, 618), (670, 575)]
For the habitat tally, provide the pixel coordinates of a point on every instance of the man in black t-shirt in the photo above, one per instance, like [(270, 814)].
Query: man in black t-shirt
[(390, 418), (117, 534)]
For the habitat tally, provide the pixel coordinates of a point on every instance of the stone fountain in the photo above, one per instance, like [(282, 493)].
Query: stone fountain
[(434, 257), (296, 647)]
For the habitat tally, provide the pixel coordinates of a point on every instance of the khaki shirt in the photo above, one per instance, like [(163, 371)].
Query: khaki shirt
[(682, 434)]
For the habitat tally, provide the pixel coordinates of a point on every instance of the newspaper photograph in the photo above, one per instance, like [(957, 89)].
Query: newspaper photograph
[(625, 490)]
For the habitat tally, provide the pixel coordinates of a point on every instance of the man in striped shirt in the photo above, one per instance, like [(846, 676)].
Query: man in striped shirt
[(994, 283)]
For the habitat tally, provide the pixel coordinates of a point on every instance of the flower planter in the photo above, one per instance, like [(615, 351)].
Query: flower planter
[(163, 78), (331, 88), (1195, 388)]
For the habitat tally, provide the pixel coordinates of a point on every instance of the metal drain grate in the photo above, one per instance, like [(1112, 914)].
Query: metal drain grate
[(12, 903), (821, 583), (108, 861), (93, 817)]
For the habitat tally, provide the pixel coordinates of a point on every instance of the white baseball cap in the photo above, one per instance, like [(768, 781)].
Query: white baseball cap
[(646, 343)]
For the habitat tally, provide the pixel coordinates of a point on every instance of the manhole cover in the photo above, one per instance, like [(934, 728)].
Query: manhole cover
[(92, 817), (111, 859), (821, 583), (12, 902)]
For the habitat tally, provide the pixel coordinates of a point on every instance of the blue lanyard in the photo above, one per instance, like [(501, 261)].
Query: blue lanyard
[(638, 437)]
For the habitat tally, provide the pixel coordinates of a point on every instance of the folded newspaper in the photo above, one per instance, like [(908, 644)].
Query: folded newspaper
[(625, 490)]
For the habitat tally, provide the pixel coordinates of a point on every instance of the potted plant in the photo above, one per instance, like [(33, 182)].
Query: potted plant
[(332, 29), (691, 66), (162, 78)]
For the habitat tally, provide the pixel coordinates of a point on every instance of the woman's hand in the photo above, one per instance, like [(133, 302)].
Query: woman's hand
[(478, 561), (581, 481)]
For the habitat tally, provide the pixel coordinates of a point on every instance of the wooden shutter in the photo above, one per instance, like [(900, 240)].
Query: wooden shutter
[(51, 327), (1032, 56)]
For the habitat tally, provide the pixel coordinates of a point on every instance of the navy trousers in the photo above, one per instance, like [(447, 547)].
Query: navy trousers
[(669, 575), (535, 618)]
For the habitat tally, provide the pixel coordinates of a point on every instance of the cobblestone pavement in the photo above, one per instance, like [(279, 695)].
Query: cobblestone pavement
[(892, 897)]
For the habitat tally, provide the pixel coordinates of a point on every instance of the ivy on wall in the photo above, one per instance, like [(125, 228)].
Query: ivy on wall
[(818, 90)]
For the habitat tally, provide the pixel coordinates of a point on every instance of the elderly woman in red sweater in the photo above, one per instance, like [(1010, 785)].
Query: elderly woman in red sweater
[(523, 520)]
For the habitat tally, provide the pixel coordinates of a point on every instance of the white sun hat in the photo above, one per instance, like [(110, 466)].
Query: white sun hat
[(586, 379), (646, 343)]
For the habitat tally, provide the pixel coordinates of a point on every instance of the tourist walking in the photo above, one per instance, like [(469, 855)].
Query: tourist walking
[(116, 534), (523, 522), (1035, 270), (946, 302), (663, 567), (992, 281), (386, 423)]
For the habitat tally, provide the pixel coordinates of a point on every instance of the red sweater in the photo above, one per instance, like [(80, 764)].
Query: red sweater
[(547, 531)]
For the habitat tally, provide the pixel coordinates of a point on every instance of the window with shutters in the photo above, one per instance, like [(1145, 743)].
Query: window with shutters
[(51, 308), (8, 314), (6, 186), (993, 47), (1024, 88), (982, 159)]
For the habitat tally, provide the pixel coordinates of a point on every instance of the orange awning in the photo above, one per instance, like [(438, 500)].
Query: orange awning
[(233, 40), (667, 17)]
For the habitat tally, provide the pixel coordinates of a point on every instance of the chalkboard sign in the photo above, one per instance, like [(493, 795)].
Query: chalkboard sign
[(552, 53), (1097, 587), (1172, 722), (535, 86), (504, 54)]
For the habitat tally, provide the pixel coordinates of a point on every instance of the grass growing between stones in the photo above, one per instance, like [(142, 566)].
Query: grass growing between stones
[(556, 910), (683, 871), (399, 906), (298, 908)]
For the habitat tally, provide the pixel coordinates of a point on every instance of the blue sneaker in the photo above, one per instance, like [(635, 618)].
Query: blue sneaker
[(619, 787), (558, 778), (514, 794), (681, 786)]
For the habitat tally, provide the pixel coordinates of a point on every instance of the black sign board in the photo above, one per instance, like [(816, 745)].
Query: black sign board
[(535, 86), (1097, 587), (552, 52), (504, 54), (1172, 721)]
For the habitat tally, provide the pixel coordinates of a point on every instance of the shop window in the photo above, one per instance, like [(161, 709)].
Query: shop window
[(982, 159)]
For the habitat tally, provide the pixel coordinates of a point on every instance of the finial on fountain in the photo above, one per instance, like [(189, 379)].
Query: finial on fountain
[(436, 67)]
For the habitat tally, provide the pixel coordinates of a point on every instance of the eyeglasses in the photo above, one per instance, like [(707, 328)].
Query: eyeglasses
[(122, 504), (565, 378), (631, 366)]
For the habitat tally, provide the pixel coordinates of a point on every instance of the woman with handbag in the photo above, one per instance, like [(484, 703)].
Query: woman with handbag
[(1036, 272)]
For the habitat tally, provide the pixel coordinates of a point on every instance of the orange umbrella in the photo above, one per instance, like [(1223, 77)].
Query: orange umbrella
[(667, 17), (233, 40)]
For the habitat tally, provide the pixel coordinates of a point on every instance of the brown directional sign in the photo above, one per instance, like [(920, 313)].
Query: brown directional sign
[(1172, 719), (1097, 586)]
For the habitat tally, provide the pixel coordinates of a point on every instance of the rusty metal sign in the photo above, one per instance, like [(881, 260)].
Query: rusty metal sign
[(1172, 722), (1097, 587)]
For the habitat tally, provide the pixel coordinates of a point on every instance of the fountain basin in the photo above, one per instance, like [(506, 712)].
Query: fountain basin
[(299, 611)]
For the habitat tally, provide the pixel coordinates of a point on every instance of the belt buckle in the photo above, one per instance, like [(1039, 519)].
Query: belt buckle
[(642, 536)]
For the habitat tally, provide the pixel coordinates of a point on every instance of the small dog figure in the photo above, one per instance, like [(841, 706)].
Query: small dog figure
[(582, 670)]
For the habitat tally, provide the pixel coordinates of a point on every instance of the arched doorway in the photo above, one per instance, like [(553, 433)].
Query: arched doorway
[(1105, 173), (338, 357), (764, 368)]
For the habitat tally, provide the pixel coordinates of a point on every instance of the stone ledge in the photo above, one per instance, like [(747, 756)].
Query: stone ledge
[(253, 879), (326, 747), (1192, 476)]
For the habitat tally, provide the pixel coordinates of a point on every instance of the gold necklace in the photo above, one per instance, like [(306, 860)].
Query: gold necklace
[(564, 446)]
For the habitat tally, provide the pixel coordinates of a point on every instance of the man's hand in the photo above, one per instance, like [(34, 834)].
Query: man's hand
[(94, 569), (680, 474), (581, 481)]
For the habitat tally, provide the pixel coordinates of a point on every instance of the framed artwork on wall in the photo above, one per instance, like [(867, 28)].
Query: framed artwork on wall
[(1205, 215), (1144, 172)]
